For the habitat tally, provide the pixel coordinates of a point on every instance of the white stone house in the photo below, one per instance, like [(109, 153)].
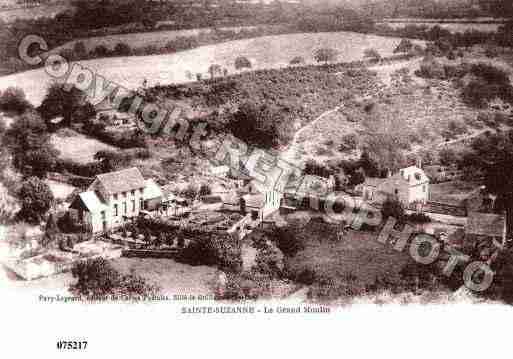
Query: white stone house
[(409, 186), (115, 197)]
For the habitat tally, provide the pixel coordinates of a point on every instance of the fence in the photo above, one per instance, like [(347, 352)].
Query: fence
[(440, 208)]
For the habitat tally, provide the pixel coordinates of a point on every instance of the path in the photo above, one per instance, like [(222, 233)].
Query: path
[(463, 139), (289, 152)]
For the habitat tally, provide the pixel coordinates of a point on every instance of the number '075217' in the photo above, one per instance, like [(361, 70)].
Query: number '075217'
[(71, 345)]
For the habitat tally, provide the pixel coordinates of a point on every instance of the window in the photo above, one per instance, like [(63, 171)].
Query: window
[(115, 210), (132, 192), (115, 196), (396, 191), (141, 190), (424, 188), (133, 205), (103, 215), (124, 194), (141, 203), (124, 208)]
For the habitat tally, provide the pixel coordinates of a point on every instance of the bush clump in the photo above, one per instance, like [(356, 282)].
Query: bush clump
[(98, 277)]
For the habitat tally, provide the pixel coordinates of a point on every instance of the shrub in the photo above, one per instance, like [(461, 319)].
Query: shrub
[(325, 55), (448, 157), (13, 99), (79, 50), (122, 49), (349, 142), (298, 60), (372, 54), (393, 208), (190, 192), (242, 62), (205, 190), (287, 242), (260, 125), (98, 277), (404, 46), (457, 127), (36, 199), (213, 249), (418, 218), (100, 51), (431, 69)]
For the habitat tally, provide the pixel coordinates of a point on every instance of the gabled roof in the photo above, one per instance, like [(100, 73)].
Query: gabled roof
[(151, 190), (414, 175), (487, 224), (91, 202), (254, 200), (121, 181)]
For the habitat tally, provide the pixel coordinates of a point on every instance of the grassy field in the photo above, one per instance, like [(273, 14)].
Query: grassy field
[(12, 15), (452, 192), (172, 277), (78, 147), (264, 52), (357, 255), (143, 39)]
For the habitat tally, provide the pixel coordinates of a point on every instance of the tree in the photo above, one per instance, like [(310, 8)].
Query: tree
[(372, 54), (260, 125), (393, 208), (298, 60), (79, 50), (13, 99), (61, 101), (242, 62), (100, 51), (122, 49), (29, 142), (494, 158), (404, 46), (325, 55), (36, 199), (448, 157), (215, 70)]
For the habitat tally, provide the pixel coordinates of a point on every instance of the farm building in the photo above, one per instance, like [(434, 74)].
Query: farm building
[(114, 197), (409, 186), (438, 173)]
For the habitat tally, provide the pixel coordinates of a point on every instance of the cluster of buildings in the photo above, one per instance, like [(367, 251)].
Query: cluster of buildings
[(115, 197)]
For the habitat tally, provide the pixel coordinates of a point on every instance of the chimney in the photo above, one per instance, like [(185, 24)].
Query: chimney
[(419, 162)]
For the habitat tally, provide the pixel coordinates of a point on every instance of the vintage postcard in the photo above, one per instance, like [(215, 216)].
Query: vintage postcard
[(343, 168)]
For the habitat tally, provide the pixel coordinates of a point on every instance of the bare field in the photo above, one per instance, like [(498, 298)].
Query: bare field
[(264, 52)]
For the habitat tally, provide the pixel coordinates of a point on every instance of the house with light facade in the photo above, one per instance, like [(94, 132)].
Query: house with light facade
[(115, 197), (409, 186)]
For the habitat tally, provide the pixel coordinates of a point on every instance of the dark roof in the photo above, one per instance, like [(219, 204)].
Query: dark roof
[(122, 181), (486, 224)]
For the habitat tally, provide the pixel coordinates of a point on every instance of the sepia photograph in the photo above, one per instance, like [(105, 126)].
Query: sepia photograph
[(341, 161)]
